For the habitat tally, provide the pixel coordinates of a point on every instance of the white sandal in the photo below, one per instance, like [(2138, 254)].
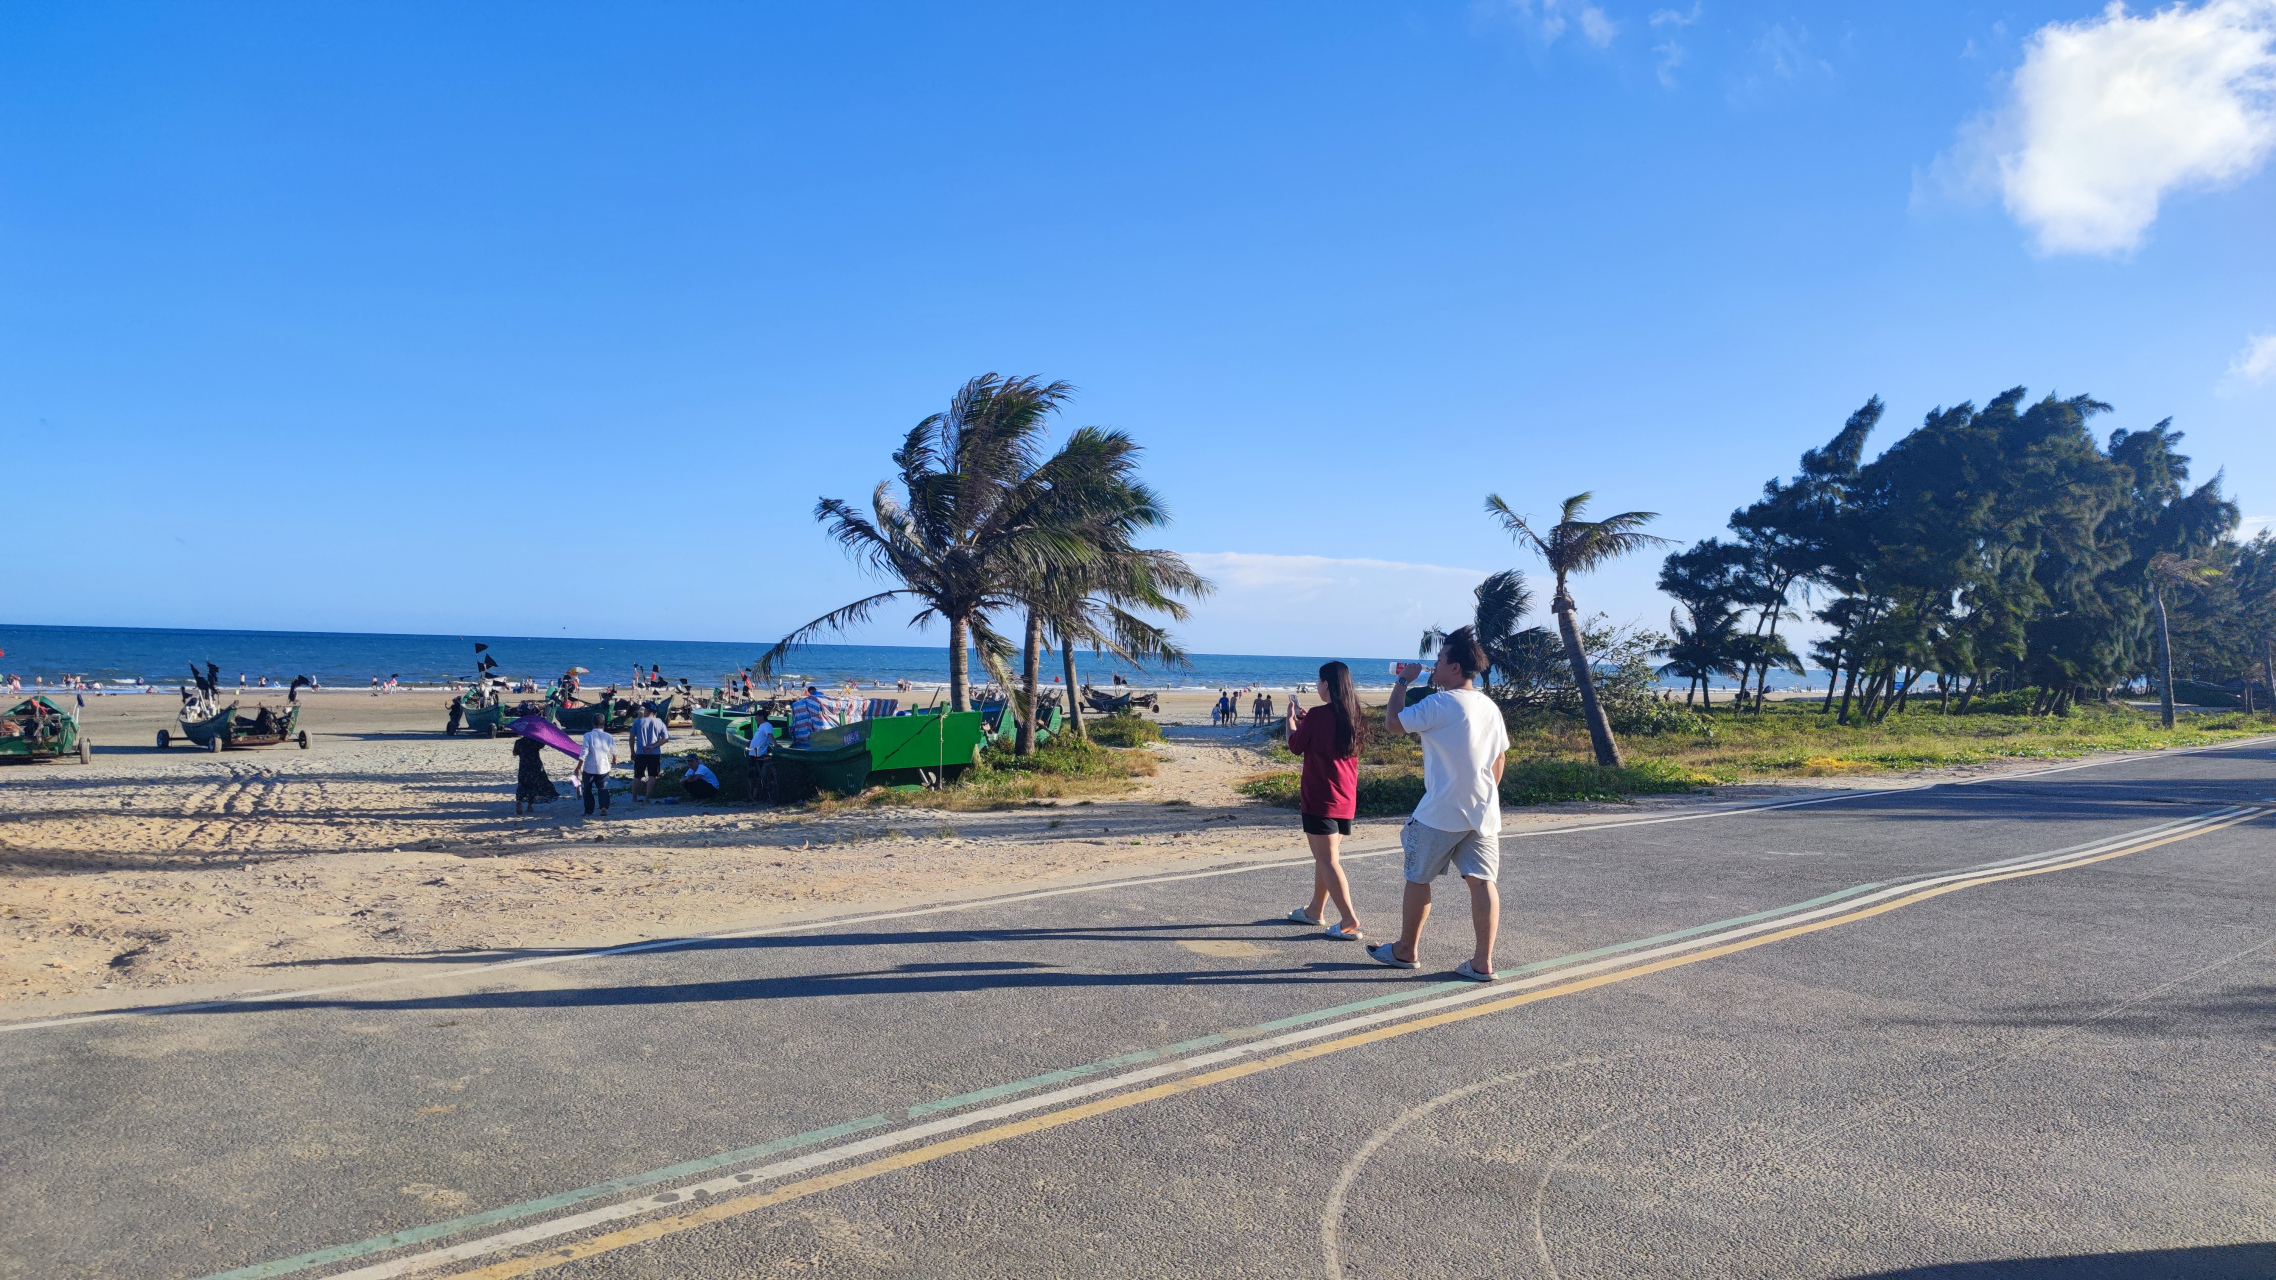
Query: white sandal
[(1298, 917), (1342, 934)]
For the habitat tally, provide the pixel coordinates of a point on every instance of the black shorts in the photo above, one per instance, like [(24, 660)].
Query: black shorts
[(1315, 826), (647, 766)]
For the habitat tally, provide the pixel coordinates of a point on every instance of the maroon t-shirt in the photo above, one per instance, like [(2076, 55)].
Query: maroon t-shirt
[(1331, 786)]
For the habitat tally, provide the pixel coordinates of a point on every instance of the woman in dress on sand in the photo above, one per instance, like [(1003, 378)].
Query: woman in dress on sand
[(1328, 737)]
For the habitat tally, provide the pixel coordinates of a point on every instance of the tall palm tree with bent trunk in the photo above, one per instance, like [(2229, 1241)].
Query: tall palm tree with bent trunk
[(980, 512), (1574, 545)]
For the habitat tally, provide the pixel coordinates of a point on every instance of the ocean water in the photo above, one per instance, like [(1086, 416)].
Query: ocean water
[(119, 655)]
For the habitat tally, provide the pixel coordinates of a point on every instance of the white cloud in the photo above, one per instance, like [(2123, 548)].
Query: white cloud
[(1323, 605), (1597, 28), (1670, 52), (2109, 115), (2257, 362), (1547, 20), (1671, 56)]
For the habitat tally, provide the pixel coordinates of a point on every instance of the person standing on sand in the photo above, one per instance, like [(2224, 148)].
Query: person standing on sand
[(1329, 737), (530, 783), (593, 767), (648, 738), (1459, 821)]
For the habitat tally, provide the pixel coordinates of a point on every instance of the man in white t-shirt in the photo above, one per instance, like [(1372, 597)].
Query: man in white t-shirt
[(1459, 822), (593, 767), (762, 742)]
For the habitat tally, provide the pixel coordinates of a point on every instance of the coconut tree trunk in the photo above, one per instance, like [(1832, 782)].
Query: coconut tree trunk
[(1028, 679), (1833, 677), (959, 662), (1599, 728), (1848, 687), (1074, 703), (2164, 662)]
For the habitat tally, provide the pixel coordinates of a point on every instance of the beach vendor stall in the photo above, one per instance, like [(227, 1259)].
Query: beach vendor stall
[(40, 728)]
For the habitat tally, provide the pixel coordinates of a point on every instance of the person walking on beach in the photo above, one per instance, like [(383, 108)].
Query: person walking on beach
[(1459, 821), (593, 767), (648, 738), (1329, 737)]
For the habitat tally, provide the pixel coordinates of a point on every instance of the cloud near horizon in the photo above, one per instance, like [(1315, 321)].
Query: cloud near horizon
[(2109, 115), (1323, 605)]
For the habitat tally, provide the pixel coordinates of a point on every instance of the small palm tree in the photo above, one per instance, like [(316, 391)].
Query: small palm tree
[(1570, 546), (979, 513), (1090, 605), (1087, 601), (2169, 570), (1705, 649)]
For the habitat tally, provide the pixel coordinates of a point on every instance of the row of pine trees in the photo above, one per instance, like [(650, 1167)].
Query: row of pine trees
[(1990, 550)]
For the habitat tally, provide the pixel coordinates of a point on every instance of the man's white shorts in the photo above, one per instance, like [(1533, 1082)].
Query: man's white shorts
[(1430, 851)]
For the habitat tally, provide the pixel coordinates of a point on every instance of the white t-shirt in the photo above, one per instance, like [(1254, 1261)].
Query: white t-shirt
[(1462, 735), (762, 739), (698, 770), (600, 751)]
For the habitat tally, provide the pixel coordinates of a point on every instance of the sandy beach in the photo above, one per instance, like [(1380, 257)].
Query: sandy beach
[(387, 846)]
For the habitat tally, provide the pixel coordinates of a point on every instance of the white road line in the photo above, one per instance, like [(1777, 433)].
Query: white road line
[(900, 1137)]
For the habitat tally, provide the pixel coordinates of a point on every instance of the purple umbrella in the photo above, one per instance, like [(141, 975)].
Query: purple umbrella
[(549, 733)]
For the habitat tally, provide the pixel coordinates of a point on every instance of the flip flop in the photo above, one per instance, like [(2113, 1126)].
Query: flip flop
[(1382, 955), (1342, 934), (1465, 972), (1298, 917)]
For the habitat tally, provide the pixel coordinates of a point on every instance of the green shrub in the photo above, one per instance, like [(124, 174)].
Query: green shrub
[(1068, 757), (1123, 730)]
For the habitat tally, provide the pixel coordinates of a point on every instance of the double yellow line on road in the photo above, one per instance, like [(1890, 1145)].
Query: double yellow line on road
[(737, 1206)]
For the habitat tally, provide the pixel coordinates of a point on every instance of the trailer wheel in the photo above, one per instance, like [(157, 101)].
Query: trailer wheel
[(489, 731), (165, 739), (213, 743), (86, 752), (304, 739)]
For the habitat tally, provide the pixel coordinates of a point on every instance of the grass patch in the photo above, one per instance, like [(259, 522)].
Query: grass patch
[(1797, 740), (1551, 760), (1123, 730), (1385, 793)]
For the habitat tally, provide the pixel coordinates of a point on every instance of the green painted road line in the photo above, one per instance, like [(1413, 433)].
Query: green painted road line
[(419, 1235)]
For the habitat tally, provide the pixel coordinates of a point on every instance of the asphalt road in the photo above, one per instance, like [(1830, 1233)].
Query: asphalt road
[(2028, 1024)]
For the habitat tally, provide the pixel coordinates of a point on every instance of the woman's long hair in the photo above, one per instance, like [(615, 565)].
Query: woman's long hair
[(1343, 700)]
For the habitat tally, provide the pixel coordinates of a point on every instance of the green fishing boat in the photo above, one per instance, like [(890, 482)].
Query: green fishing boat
[(926, 749), (40, 728)]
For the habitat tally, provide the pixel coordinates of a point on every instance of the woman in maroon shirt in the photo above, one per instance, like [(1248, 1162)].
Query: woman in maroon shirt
[(1328, 737)]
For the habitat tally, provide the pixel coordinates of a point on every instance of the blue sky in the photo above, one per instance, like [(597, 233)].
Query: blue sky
[(557, 320)]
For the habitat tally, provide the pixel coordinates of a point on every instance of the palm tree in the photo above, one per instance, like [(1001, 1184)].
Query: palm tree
[(1087, 601), (978, 514), (1701, 651), (1570, 546), (1091, 605), (2169, 570)]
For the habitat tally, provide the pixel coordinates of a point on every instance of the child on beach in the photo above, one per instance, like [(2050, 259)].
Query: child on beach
[(1328, 737)]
